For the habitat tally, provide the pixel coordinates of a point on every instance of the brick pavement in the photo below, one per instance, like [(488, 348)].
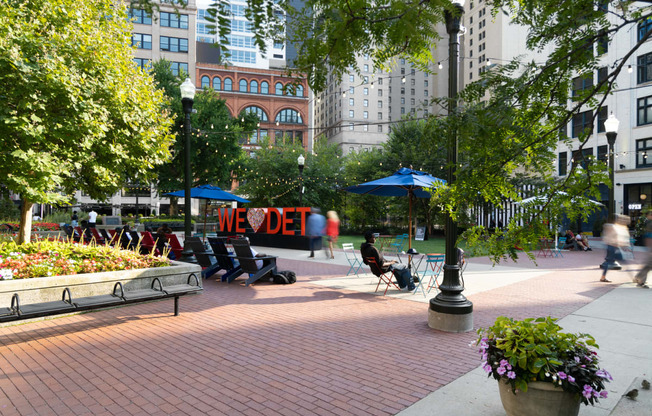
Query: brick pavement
[(267, 349)]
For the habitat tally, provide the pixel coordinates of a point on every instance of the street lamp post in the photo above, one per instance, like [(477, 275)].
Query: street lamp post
[(611, 128), (187, 96), (301, 162), (450, 311)]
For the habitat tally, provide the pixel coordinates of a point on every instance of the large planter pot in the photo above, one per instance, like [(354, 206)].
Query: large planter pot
[(541, 399)]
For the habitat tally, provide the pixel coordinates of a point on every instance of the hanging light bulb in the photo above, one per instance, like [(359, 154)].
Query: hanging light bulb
[(488, 62), (440, 65), (344, 94), (227, 127), (242, 119), (630, 69), (403, 80), (372, 85)]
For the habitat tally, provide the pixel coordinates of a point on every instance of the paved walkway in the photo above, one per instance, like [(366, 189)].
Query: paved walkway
[(324, 346)]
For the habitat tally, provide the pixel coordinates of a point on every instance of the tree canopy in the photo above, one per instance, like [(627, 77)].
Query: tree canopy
[(76, 113)]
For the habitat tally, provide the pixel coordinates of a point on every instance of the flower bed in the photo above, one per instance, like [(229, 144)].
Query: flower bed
[(53, 258), (39, 226)]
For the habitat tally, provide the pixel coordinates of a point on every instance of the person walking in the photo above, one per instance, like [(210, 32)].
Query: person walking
[(615, 235), (641, 276), (332, 230), (74, 219), (315, 228)]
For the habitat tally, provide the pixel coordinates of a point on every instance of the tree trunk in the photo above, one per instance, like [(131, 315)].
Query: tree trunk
[(25, 231), (174, 206)]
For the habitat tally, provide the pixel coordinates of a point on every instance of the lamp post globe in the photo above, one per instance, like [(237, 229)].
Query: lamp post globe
[(450, 311), (187, 99), (301, 161)]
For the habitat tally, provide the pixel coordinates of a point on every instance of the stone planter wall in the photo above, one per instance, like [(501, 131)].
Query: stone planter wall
[(44, 289)]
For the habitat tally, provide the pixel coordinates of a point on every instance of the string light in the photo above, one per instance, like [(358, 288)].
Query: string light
[(630, 69), (439, 65)]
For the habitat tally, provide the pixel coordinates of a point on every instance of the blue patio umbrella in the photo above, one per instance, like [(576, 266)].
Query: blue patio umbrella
[(404, 182), (208, 192)]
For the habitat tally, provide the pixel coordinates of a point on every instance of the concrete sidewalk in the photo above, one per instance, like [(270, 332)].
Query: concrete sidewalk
[(327, 345)]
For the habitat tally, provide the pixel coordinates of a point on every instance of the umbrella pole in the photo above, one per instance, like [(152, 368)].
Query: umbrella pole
[(205, 216), (410, 220)]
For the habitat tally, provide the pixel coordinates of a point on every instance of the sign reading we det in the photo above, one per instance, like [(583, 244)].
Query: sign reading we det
[(263, 220)]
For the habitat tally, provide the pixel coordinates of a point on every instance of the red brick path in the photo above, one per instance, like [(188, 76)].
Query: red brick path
[(266, 349)]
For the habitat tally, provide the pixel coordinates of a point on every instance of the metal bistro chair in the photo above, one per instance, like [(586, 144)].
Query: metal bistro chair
[(352, 258), (385, 277), (561, 242), (434, 263)]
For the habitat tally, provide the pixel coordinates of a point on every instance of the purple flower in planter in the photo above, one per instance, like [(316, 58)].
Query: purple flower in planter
[(571, 379), (604, 374), (603, 394), (562, 375), (503, 363), (501, 370), (588, 391), (486, 367), (511, 375)]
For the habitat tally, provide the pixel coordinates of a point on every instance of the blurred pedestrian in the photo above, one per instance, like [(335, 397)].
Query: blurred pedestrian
[(74, 219), (641, 276), (92, 218), (315, 228), (332, 230), (615, 236)]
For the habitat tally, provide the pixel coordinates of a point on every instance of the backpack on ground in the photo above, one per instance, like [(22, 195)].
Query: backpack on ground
[(285, 277)]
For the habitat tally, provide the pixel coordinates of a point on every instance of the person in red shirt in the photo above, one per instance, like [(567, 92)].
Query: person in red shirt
[(332, 229)]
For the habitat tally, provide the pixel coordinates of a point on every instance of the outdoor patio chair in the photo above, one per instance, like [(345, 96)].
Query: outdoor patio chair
[(148, 245), (225, 259), (96, 235), (108, 239), (248, 262), (434, 263), (84, 235), (352, 258), (556, 251), (204, 257), (384, 277), (175, 246)]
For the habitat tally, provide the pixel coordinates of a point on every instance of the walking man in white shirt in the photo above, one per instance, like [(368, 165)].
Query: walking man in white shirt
[(92, 218)]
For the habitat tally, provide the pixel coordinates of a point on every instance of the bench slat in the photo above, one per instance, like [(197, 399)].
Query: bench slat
[(46, 307), (143, 294), (182, 288), (103, 300), (6, 311)]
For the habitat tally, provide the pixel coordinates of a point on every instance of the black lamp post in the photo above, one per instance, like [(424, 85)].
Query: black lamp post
[(450, 311), (301, 161), (611, 128), (187, 96)]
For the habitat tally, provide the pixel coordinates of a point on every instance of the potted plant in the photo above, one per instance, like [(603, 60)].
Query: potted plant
[(533, 360)]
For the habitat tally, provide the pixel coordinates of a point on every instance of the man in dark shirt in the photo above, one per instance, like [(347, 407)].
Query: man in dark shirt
[(400, 271)]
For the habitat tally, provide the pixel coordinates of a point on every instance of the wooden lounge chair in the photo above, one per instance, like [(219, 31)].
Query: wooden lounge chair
[(224, 259), (175, 245)]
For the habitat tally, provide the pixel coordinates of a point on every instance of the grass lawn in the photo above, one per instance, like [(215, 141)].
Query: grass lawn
[(432, 245)]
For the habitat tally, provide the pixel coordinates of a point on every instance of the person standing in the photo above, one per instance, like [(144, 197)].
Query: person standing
[(92, 218), (332, 230), (315, 228), (641, 276), (615, 236)]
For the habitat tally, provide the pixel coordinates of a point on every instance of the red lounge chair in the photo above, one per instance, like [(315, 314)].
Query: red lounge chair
[(176, 247), (147, 244)]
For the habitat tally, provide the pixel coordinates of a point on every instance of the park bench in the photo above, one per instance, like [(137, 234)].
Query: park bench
[(117, 297)]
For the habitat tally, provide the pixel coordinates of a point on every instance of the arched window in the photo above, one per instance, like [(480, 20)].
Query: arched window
[(262, 115), (264, 87), (279, 88), (299, 91), (228, 84), (243, 85), (217, 84), (253, 87), (289, 116), (205, 82)]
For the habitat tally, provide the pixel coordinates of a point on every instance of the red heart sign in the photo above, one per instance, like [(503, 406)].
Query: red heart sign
[(256, 217)]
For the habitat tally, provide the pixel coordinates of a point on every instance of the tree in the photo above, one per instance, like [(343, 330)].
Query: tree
[(76, 113), (271, 177), (215, 149)]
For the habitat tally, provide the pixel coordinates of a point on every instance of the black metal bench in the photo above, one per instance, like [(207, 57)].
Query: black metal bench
[(117, 297)]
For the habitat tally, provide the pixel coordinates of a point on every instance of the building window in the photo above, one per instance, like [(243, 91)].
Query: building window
[(228, 84), (602, 74), (365, 127), (643, 150), (412, 101), (140, 17), (351, 114), (644, 68), (412, 91), (644, 27), (278, 89), (582, 83), (298, 91), (402, 110), (141, 41), (582, 122), (380, 128), (425, 93), (264, 87), (365, 103), (142, 63), (380, 116), (253, 87), (380, 104), (351, 78), (351, 101), (289, 116), (602, 117), (644, 114), (582, 158), (603, 153), (365, 91), (217, 84), (174, 44), (262, 115), (602, 45), (366, 68), (402, 90), (380, 92), (243, 85), (365, 114), (179, 21)]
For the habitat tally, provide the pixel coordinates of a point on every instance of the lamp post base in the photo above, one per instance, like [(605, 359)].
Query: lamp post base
[(187, 255), (450, 322)]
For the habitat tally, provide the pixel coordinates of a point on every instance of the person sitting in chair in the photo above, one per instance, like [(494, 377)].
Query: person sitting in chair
[(400, 271)]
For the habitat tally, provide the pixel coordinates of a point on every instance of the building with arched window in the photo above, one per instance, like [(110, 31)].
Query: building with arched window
[(284, 112)]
